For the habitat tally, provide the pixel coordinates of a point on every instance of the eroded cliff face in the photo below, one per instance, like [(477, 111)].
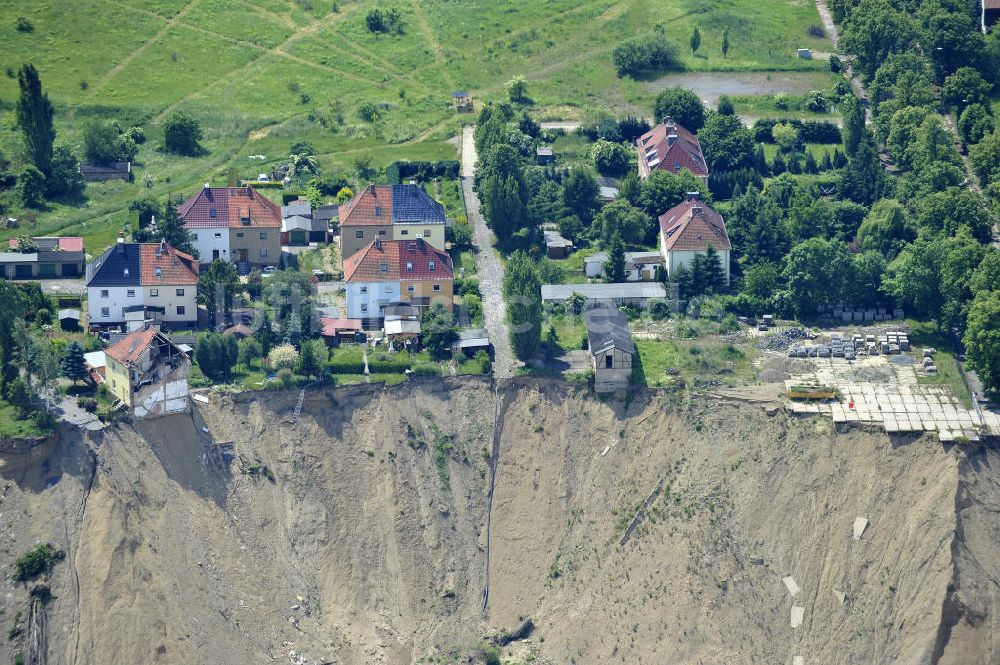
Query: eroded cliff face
[(369, 546)]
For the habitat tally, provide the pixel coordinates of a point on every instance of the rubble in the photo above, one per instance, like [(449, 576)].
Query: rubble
[(782, 340)]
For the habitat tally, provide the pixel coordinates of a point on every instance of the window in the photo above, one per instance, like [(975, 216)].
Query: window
[(104, 293), (384, 267), (364, 290), (381, 232), (359, 234), (105, 312), (180, 292), (212, 213), (194, 236), (608, 361), (404, 232), (158, 271), (364, 307), (180, 310), (430, 266), (263, 251), (154, 293), (239, 234), (218, 235), (263, 235), (130, 293), (409, 266), (378, 211), (427, 233), (411, 288), (437, 287)]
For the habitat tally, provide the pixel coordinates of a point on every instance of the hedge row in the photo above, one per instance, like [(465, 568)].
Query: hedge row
[(810, 131), (399, 171)]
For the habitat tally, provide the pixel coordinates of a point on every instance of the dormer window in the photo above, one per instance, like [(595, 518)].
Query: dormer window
[(158, 271), (378, 211), (409, 266), (212, 213), (126, 272), (384, 267), (430, 266)]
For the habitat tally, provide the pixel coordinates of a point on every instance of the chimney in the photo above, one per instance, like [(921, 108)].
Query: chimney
[(670, 139), (207, 186), (120, 244), (371, 188), (696, 211), (694, 196), (163, 246)]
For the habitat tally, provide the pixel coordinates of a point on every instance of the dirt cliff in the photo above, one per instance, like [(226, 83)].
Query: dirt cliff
[(356, 533)]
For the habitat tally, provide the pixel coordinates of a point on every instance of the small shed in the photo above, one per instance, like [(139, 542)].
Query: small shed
[(544, 155), (471, 340), (611, 348), (637, 294), (336, 330), (462, 101), (112, 171), (607, 189), (69, 319), (241, 330), (556, 247)]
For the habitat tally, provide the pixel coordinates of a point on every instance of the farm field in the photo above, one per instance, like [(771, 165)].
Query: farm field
[(261, 74)]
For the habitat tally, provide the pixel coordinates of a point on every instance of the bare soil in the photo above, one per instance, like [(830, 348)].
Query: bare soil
[(370, 544)]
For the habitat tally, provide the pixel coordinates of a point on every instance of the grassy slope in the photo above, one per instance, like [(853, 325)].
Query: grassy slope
[(243, 66)]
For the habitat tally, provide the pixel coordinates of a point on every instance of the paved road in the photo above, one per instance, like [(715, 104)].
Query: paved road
[(488, 266)]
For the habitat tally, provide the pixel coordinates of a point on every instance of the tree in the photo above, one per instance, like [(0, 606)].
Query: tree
[(311, 357), (65, 178), (31, 187), (301, 163), (263, 334), (725, 106), (74, 365), (869, 270), (975, 123), (853, 113), (522, 291), (864, 180), (786, 136), (580, 194), (171, 231), (985, 157), (872, 31), (612, 159), (100, 141), (647, 54), (438, 331), (682, 106), (576, 302), (249, 350), (966, 86), (725, 42), (34, 117), (620, 218), (886, 229), (662, 190), (914, 278), (816, 272), (283, 356), (216, 355), (727, 144), (987, 274), (708, 274), (982, 337), (614, 265), (182, 135), (517, 89), (695, 40), (958, 265), (216, 288)]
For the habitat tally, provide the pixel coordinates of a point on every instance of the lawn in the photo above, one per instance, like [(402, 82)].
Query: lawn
[(14, 427), (463, 258), (261, 74), (697, 362), (570, 331)]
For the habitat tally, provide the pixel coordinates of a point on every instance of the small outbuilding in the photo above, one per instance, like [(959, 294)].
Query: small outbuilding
[(556, 247), (336, 330), (611, 348), (471, 340), (544, 155), (462, 101), (112, 171), (69, 319)]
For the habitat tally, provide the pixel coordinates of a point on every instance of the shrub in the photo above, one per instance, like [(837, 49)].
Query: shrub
[(181, 135), (645, 55), (384, 21), (659, 309), (426, 369), (24, 25), (286, 376), (283, 356), (39, 560)]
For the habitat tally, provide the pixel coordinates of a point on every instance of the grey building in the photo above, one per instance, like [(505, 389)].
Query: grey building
[(611, 348)]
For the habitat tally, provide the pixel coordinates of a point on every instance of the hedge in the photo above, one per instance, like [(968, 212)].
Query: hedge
[(389, 364), (399, 171), (810, 131)]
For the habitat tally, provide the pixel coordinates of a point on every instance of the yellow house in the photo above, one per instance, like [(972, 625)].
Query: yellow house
[(148, 373)]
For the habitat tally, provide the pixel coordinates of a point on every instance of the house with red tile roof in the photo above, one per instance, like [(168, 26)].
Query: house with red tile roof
[(394, 271), (390, 212), (236, 224), (148, 373), (671, 148), (136, 282), (688, 229)]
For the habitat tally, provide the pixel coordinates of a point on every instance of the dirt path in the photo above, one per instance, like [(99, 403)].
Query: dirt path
[(488, 265), (432, 41)]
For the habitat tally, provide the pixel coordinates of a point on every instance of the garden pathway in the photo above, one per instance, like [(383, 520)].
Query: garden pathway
[(488, 266)]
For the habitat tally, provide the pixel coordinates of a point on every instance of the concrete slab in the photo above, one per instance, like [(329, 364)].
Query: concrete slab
[(793, 588), (860, 526), (798, 614)]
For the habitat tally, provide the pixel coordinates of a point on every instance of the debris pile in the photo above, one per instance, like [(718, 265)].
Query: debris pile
[(782, 340)]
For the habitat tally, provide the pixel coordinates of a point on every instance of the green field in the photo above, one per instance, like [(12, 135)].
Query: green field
[(260, 74)]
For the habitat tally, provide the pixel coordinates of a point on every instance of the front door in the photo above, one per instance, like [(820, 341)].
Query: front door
[(215, 254), (243, 256)]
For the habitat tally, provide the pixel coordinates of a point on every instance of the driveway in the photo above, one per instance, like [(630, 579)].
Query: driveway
[(488, 266)]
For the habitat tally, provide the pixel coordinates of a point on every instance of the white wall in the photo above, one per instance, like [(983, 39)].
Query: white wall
[(373, 294), (677, 258), (116, 300), (167, 298), (205, 242), (414, 231)]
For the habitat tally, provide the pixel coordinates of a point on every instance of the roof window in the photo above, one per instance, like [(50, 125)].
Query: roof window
[(158, 271), (409, 266), (378, 211), (212, 213)]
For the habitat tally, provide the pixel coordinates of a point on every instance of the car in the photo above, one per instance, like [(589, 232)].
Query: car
[(268, 270), (318, 273)]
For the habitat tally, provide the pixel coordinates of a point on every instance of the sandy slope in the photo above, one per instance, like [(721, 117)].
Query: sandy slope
[(360, 552)]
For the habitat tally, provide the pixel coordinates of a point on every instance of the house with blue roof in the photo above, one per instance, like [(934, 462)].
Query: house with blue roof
[(390, 212)]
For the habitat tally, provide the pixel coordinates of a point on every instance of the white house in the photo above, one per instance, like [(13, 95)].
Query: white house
[(688, 229), (365, 300), (639, 266), (142, 280)]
